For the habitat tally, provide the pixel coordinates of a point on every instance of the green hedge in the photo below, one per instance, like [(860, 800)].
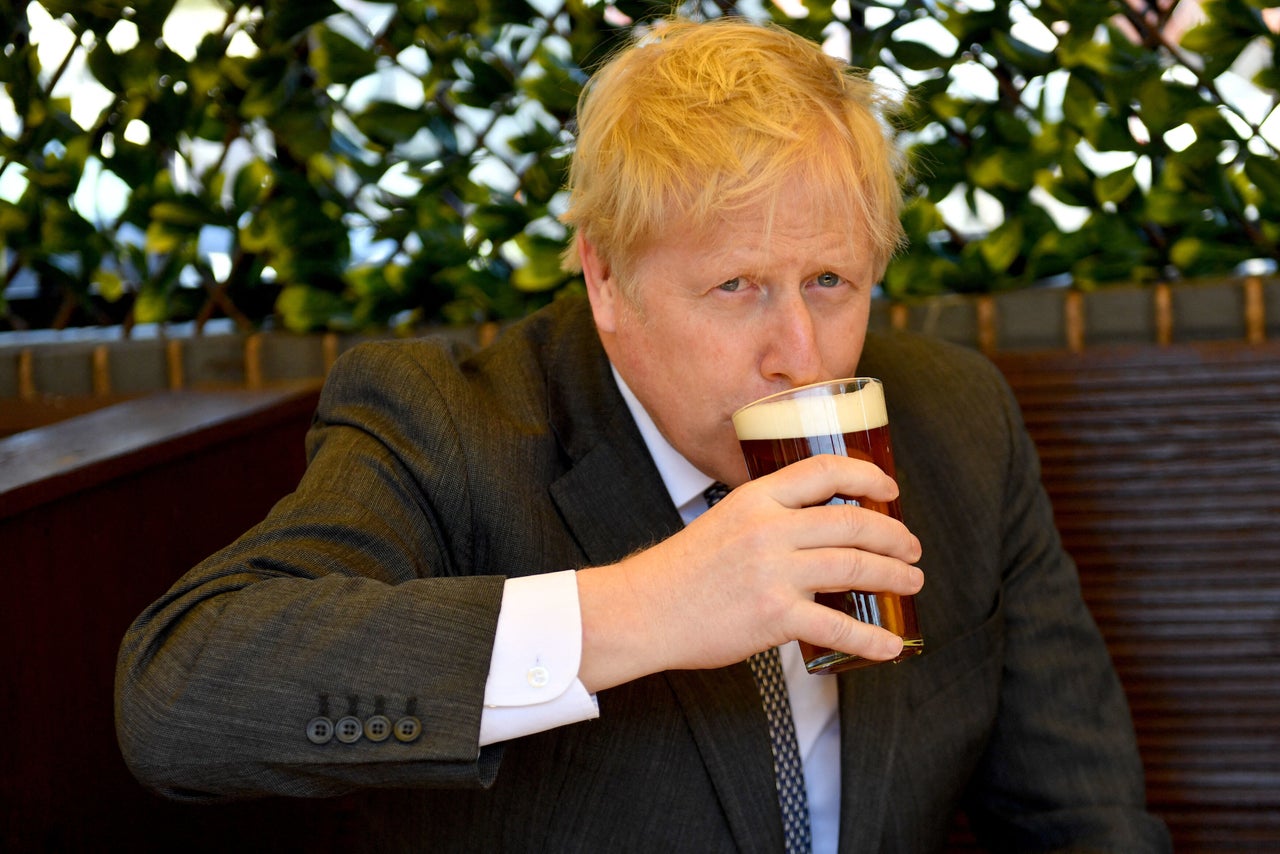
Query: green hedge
[(341, 165)]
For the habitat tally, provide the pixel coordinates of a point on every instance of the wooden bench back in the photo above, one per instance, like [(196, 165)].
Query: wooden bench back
[(1163, 465)]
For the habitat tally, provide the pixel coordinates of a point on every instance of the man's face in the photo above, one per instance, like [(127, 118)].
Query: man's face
[(722, 316)]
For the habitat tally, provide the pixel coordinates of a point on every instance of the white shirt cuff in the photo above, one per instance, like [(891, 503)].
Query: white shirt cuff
[(537, 648)]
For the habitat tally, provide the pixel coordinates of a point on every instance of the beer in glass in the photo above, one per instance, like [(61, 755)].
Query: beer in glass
[(846, 417)]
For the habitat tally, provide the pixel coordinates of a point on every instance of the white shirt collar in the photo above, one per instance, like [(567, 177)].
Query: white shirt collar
[(684, 482)]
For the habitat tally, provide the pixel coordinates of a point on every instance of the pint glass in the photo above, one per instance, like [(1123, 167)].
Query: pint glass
[(846, 417)]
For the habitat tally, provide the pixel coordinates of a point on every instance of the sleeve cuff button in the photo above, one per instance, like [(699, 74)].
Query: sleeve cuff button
[(320, 730), (377, 728), (408, 729), (349, 729)]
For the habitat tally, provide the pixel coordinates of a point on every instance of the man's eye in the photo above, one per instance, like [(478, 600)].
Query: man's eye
[(827, 280), (731, 285)]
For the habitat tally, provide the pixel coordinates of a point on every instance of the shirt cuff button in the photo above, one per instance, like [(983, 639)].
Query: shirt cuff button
[(539, 676)]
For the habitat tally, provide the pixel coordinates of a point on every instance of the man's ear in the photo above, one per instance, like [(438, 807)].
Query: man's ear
[(602, 288)]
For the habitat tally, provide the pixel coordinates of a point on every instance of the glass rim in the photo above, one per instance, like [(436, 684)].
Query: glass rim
[(804, 390)]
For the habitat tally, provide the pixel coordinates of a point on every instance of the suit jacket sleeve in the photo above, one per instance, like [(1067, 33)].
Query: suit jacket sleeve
[(1061, 770), (1014, 708), (354, 597)]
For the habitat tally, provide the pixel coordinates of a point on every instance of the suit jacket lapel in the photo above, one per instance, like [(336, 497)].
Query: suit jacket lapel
[(610, 508), (611, 496), (614, 502)]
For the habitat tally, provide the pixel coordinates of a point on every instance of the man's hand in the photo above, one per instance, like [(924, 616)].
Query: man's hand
[(741, 577)]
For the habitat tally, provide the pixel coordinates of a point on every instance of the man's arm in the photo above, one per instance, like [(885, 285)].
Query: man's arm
[(1061, 771), (344, 603)]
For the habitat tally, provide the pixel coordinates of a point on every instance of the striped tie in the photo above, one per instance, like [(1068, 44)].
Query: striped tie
[(787, 770)]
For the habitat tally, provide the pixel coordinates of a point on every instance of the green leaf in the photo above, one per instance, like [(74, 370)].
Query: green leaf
[(304, 130), (13, 219), (1197, 257), (1226, 23), (1268, 77), (918, 56), (1078, 51), (1115, 187), (104, 65), (558, 84), (1080, 104), (1014, 52), (544, 178), (971, 26), (110, 284), (920, 218), (1163, 105), (1003, 168), (1229, 26), (1166, 205), (1013, 130), (252, 182), (339, 60), (303, 309), (939, 166), (491, 81), (919, 274), (63, 229), (499, 220), (542, 270), (163, 238), (151, 306), (388, 123), (1002, 247), (150, 16), (1054, 252), (186, 212), (1210, 124), (285, 19), (1264, 172)]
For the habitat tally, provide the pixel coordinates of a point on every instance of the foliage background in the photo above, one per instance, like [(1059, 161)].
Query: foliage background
[(345, 164)]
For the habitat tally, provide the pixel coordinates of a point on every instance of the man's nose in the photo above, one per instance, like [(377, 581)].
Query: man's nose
[(791, 352)]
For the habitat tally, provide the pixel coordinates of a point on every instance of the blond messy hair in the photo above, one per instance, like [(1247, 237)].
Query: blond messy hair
[(696, 121)]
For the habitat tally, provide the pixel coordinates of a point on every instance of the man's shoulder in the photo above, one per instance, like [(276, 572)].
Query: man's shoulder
[(530, 344), (914, 358), (549, 365), (929, 381)]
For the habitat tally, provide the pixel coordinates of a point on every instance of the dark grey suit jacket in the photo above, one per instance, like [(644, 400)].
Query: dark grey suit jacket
[(374, 589)]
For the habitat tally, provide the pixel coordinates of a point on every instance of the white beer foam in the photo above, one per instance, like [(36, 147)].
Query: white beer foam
[(813, 415)]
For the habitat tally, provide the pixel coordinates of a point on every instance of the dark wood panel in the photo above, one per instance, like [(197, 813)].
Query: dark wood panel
[(1163, 465), (85, 547), (17, 415), (81, 453)]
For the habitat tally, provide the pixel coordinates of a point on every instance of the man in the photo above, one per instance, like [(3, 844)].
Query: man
[(499, 593)]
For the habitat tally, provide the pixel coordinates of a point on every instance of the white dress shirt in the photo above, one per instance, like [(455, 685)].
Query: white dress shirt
[(533, 684)]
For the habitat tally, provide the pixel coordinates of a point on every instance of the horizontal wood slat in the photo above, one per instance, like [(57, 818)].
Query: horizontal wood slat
[(1163, 465)]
